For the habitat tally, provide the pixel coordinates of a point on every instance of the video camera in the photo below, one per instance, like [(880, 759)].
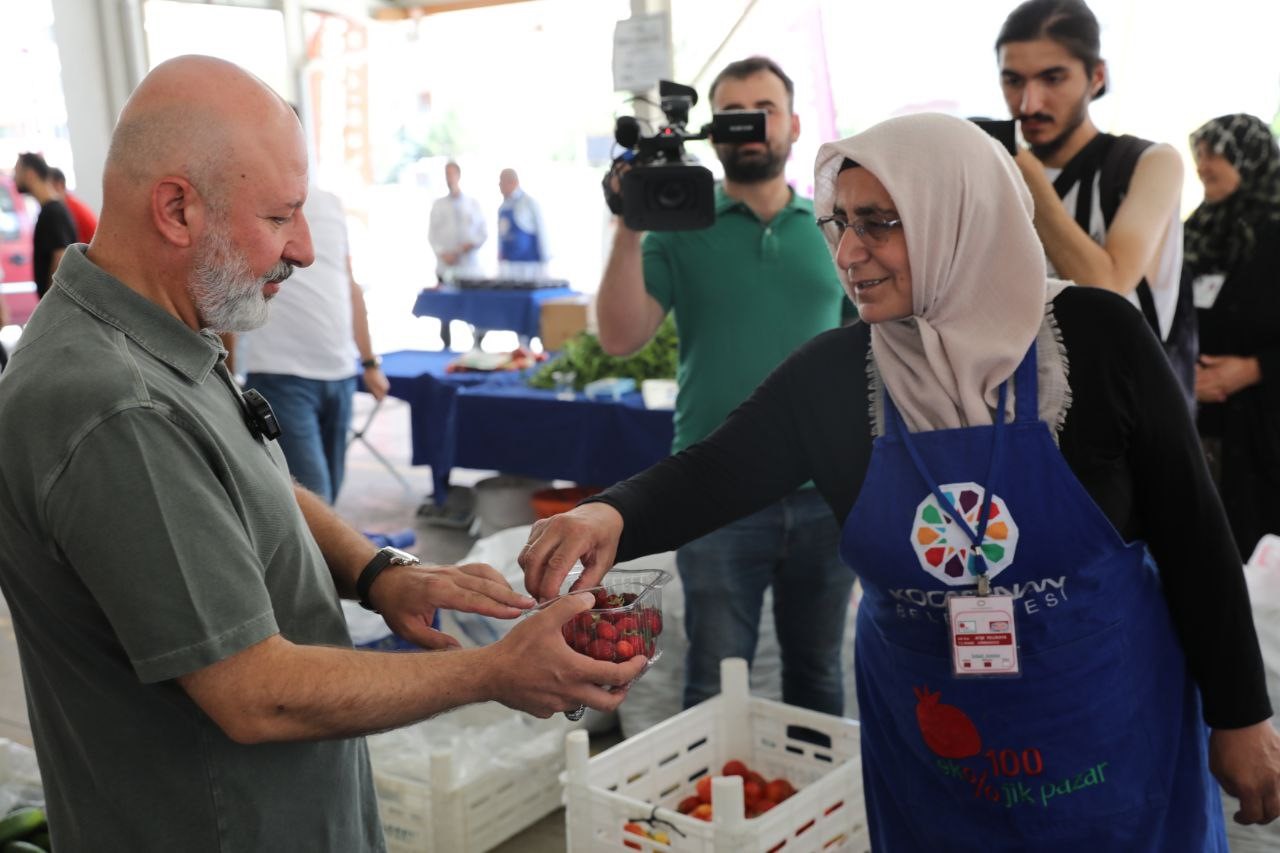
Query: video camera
[(665, 189)]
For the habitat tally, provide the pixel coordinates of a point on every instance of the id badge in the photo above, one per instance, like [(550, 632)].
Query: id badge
[(1205, 289), (984, 640)]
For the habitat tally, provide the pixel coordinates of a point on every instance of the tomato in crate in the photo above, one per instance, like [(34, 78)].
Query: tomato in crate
[(810, 760)]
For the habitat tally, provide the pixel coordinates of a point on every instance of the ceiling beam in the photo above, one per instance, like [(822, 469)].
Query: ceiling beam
[(399, 13)]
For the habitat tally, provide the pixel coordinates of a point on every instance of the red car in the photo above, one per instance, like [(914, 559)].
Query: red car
[(16, 227)]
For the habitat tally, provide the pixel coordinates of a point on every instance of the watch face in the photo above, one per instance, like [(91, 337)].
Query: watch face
[(401, 558)]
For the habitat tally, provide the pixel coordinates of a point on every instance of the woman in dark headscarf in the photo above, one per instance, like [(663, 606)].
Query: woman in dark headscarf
[(1233, 254)]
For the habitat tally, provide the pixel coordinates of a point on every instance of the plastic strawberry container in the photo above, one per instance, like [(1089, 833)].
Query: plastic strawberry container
[(627, 618)]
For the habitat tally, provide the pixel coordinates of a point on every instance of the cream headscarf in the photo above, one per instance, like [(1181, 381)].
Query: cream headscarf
[(978, 278)]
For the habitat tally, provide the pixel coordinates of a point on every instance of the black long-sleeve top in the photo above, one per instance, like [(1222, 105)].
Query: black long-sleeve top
[(1245, 321), (1128, 437)]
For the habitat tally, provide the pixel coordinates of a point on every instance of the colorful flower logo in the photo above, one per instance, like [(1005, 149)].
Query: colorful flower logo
[(942, 545)]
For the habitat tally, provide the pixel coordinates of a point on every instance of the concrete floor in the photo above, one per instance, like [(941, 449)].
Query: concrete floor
[(371, 499)]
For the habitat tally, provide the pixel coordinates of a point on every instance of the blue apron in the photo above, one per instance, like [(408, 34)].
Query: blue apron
[(514, 243), (1099, 741)]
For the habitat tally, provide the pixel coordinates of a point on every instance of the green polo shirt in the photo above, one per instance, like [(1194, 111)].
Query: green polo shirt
[(148, 534), (745, 294)]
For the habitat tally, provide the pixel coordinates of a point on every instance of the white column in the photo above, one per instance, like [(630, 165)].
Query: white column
[(295, 49), (646, 110), (103, 56)]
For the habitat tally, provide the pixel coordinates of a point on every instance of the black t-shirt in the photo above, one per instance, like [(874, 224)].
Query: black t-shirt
[(1128, 437), (54, 230)]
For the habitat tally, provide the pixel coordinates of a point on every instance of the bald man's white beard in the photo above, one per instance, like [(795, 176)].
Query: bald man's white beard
[(227, 295)]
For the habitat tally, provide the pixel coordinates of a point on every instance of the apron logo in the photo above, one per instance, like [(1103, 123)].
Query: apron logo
[(947, 730), (942, 546)]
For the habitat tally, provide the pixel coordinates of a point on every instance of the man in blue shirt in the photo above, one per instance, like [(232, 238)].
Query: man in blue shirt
[(521, 236)]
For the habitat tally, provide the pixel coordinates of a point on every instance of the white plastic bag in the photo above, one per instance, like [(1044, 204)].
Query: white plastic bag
[(500, 551), (19, 777), (658, 695), (1263, 576), (478, 739)]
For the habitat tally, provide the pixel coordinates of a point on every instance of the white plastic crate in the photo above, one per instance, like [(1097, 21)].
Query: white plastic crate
[(647, 776), (427, 806)]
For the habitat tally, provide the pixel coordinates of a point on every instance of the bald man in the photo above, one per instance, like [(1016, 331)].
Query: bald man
[(522, 239), (189, 675)]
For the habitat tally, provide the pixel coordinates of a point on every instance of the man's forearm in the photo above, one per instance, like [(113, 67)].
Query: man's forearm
[(625, 311), (330, 693), (346, 550), (281, 691), (359, 319), (1072, 252)]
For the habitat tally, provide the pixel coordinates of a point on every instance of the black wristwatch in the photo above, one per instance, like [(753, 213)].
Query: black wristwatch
[(384, 558)]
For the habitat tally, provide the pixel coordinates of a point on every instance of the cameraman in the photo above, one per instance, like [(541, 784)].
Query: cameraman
[(747, 291)]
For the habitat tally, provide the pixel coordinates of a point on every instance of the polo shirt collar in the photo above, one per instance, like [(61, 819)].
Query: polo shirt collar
[(726, 203), (193, 354)]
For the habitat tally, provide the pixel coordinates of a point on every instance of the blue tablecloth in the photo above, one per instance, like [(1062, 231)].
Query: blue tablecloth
[(494, 421), (419, 378), (516, 310), (522, 430)]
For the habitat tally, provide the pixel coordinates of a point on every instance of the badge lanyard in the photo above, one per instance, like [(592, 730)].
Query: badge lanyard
[(983, 637)]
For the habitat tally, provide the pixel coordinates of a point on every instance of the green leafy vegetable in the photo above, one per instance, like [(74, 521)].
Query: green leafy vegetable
[(582, 354)]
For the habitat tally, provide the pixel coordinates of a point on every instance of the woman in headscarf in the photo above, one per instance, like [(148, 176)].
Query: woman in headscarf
[(1232, 245), (1033, 455)]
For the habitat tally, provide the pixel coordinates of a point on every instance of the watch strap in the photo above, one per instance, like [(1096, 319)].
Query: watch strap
[(385, 558)]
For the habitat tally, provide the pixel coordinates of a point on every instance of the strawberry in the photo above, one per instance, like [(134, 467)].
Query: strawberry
[(627, 624), (651, 622), (623, 650), (602, 599), (606, 630), (600, 649), (947, 730), (581, 639)]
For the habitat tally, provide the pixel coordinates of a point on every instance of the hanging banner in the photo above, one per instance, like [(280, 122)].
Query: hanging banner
[(641, 52)]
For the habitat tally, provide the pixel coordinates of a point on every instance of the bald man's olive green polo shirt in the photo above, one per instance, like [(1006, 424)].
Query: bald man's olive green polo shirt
[(745, 294), (147, 533)]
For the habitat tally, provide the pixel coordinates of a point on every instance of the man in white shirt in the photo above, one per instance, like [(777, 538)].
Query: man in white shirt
[(456, 233), (457, 229), (303, 359)]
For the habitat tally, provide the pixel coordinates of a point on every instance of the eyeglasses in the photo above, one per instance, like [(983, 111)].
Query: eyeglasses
[(873, 231)]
